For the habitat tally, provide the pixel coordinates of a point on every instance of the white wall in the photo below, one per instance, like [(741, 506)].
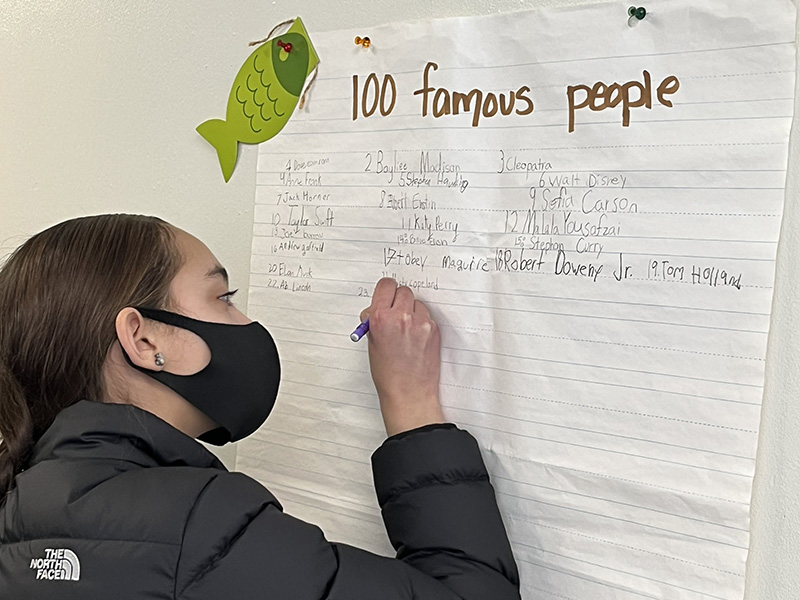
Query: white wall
[(98, 104)]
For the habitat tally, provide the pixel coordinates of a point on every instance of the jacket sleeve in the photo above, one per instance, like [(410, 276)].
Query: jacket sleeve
[(440, 513)]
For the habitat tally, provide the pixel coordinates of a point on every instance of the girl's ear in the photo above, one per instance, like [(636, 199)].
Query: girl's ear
[(138, 338)]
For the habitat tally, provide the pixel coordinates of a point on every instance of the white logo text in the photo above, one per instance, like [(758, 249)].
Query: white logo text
[(57, 563)]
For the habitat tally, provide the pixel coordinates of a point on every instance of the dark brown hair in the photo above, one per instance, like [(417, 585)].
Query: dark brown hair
[(60, 293)]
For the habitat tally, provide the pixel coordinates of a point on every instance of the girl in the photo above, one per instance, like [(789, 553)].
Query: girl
[(119, 344)]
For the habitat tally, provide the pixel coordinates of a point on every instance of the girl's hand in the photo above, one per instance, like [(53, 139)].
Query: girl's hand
[(404, 357)]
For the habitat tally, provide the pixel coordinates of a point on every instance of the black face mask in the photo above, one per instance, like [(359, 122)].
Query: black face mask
[(239, 385)]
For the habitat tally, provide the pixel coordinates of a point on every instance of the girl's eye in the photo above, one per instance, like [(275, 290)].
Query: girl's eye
[(227, 297)]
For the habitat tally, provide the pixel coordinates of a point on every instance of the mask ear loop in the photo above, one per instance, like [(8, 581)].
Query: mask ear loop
[(307, 89)]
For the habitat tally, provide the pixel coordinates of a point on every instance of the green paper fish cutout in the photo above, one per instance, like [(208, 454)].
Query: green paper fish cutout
[(264, 95)]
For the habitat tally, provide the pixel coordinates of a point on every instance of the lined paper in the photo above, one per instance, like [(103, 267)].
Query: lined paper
[(603, 294)]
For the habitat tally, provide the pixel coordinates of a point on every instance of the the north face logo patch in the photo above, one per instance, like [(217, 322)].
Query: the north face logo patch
[(57, 563)]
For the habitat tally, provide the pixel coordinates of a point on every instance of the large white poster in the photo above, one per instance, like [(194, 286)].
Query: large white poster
[(591, 210)]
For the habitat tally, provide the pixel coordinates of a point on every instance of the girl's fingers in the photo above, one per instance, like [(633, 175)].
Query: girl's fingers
[(421, 310), (404, 299), (384, 293)]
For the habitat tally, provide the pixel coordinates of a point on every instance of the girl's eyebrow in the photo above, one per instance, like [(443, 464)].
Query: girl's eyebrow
[(218, 271)]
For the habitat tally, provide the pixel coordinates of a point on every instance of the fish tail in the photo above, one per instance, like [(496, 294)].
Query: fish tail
[(217, 133)]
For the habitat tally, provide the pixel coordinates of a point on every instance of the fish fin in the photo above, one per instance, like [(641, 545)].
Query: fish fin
[(217, 133)]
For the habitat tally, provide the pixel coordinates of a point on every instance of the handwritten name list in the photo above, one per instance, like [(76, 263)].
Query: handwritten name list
[(600, 258)]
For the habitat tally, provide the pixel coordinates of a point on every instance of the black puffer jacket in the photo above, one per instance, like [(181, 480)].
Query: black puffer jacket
[(118, 504)]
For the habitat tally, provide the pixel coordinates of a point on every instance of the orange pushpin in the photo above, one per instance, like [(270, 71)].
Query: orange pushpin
[(364, 42)]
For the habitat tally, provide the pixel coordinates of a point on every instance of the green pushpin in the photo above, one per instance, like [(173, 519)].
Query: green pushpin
[(636, 14)]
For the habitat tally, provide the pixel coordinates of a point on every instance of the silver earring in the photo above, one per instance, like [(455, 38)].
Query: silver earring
[(159, 359)]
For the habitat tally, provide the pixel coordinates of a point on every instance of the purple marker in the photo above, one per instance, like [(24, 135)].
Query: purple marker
[(360, 331)]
